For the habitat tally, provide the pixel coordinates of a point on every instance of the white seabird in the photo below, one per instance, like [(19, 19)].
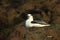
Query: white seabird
[(31, 23)]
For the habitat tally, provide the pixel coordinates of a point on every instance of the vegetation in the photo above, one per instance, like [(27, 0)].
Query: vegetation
[(12, 17)]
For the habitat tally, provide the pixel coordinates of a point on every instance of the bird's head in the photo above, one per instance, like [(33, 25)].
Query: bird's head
[(29, 15)]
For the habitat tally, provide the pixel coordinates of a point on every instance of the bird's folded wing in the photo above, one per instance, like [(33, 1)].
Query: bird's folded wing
[(38, 22)]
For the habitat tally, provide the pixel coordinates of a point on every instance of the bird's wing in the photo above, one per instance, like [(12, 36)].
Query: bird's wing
[(38, 22)]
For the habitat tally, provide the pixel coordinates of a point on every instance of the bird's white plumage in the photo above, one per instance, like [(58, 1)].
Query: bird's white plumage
[(29, 24)]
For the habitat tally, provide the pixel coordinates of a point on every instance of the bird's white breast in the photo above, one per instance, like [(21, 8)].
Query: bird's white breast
[(28, 23)]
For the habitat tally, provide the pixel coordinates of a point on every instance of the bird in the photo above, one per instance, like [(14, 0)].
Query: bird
[(30, 22)]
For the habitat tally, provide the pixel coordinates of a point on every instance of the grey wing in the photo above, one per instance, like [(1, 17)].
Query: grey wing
[(39, 22)]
